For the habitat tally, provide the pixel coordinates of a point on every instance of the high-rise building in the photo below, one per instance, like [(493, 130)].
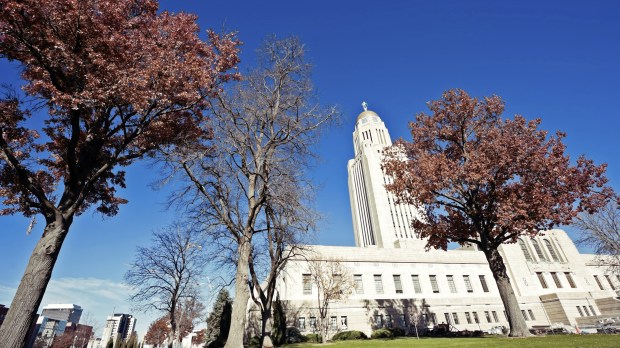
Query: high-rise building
[(118, 325), (68, 312), (377, 219)]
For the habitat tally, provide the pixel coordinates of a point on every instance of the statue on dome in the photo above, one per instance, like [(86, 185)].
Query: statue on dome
[(365, 106)]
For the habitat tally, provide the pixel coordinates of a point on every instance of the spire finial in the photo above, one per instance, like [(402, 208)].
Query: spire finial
[(365, 106)]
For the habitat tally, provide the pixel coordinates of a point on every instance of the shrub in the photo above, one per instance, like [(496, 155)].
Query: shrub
[(381, 333), (397, 332), (349, 335), (315, 338), (254, 342), (294, 336)]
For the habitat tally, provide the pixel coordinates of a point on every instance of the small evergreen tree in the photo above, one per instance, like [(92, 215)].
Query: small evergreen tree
[(214, 319), (279, 323)]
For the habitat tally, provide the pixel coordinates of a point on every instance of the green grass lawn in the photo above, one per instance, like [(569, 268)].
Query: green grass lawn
[(564, 341)]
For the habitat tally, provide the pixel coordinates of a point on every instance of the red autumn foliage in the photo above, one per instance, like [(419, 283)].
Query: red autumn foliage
[(485, 180), (118, 79)]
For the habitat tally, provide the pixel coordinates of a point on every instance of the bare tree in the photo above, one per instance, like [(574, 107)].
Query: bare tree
[(334, 283), (265, 129), (165, 275), (601, 231)]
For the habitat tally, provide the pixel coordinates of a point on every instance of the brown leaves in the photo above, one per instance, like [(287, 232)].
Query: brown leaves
[(488, 180), (119, 80)]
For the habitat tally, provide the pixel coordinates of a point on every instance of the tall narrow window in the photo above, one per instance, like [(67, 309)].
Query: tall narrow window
[(451, 283), (306, 284), (313, 323), (580, 311), (585, 309), (483, 282), (333, 323), (434, 285), (598, 281), (524, 315), (531, 313), (343, 322), (302, 324), (476, 319), (539, 252), (542, 280), (378, 320), (397, 284), (495, 316), (524, 249), (552, 252), (468, 283), (570, 280), (378, 284), (592, 309), (488, 316), (556, 279), (468, 317), (447, 316), (416, 284), (359, 286), (455, 316), (388, 321), (610, 283)]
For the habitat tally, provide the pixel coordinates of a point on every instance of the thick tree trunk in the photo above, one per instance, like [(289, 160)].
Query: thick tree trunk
[(518, 327), (23, 310), (242, 295)]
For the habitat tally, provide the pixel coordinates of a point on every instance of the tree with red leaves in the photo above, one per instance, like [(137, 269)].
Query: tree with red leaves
[(118, 79), (158, 332), (485, 181)]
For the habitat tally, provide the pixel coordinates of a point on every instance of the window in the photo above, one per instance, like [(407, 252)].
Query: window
[(302, 324), (333, 323), (403, 321), (451, 283), (495, 316), (556, 279), (468, 317), (610, 283), (455, 316), (487, 315), (447, 316), (524, 315), (378, 284), (397, 284), (592, 310), (585, 309), (378, 320), (313, 323), (539, 252), (467, 283), (476, 319), (524, 249), (483, 282), (416, 284), (552, 252), (570, 280), (307, 284), (433, 319), (434, 285), (343, 322), (580, 311), (598, 281), (388, 321), (531, 313), (359, 286), (542, 280)]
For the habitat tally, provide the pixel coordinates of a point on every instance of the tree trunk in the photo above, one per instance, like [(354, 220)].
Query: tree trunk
[(265, 316), (23, 310), (518, 327), (242, 295)]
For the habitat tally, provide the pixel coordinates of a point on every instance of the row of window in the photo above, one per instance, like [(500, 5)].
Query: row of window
[(585, 310), (333, 323), (398, 284), (608, 278), (554, 255), (571, 282)]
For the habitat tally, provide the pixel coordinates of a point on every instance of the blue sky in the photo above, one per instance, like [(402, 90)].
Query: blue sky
[(554, 60)]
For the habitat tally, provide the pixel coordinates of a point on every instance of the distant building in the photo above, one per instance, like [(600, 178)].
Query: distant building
[(67, 312), (118, 324)]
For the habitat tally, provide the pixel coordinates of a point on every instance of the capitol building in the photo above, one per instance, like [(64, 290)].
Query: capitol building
[(399, 284)]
